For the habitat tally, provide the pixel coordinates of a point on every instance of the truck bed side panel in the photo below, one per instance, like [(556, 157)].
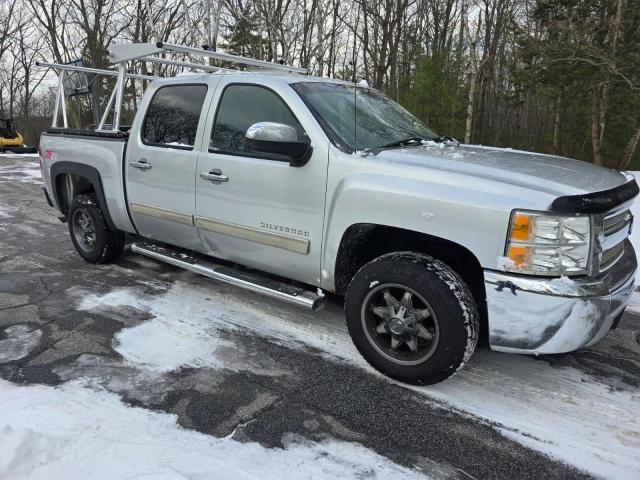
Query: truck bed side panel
[(104, 154)]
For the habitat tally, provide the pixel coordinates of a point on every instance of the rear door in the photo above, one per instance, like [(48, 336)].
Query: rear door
[(262, 213), (160, 167)]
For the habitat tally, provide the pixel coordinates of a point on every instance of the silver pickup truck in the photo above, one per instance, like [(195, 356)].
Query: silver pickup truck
[(294, 186)]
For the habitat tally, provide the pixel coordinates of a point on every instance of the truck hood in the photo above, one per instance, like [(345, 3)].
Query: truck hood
[(550, 174)]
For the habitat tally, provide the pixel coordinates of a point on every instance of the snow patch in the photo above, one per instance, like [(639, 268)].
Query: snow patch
[(19, 155), (21, 171), (188, 319), (537, 405), (76, 432), (19, 342), (6, 211), (431, 143), (173, 339)]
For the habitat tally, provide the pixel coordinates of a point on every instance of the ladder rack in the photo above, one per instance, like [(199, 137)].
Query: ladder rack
[(121, 54)]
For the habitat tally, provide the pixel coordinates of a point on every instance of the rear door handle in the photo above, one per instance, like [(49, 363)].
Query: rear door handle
[(214, 175), (142, 164)]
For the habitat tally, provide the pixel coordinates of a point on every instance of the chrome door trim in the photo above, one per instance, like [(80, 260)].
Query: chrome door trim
[(293, 244), (162, 213)]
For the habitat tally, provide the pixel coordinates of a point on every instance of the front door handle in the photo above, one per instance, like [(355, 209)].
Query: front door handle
[(214, 175), (142, 164)]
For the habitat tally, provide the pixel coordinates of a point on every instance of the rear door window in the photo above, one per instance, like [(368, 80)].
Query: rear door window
[(173, 115)]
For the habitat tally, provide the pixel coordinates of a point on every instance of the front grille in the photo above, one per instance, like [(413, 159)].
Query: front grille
[(615, 228), (615, 223), (611, 256)]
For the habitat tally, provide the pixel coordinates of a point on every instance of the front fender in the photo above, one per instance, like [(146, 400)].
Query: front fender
[(472, 213)]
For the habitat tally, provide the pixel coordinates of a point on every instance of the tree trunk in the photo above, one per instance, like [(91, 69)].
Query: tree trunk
[(556, 125), (470, 101), (596, 144), (630, 150), (474, 68)]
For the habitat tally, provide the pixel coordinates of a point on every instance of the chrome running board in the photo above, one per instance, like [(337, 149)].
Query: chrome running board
[(249, 280)]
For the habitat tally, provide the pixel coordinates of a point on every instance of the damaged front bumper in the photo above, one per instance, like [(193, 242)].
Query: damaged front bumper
[(542, 315)]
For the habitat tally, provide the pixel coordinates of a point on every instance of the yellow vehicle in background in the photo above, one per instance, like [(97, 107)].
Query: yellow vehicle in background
[(10, 140)]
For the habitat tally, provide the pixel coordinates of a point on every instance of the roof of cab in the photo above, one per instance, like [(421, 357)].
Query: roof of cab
[(206, 77)]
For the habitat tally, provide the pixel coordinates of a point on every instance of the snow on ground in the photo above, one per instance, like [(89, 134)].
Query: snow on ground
[(56, 433), (13, 156), (27, 169), (18, 342), (559, 411), (76, 432)]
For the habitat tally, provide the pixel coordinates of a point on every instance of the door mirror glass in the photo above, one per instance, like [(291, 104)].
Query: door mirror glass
[(279, 139)]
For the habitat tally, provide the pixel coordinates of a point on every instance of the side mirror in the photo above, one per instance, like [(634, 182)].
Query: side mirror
[(279, 139)]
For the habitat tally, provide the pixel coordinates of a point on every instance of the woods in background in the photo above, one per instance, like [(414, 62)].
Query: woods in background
[(557, 76)]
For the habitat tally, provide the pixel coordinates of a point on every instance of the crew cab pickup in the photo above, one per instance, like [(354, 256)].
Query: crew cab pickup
[(320, 185)]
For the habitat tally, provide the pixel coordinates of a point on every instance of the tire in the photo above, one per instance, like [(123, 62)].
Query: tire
[(439, 307), (90, 234)]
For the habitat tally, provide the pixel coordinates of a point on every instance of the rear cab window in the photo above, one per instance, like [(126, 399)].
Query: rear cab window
[(172, 117)]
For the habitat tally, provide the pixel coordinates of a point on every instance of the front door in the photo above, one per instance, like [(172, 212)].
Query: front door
[(161, 165), (256, 209)]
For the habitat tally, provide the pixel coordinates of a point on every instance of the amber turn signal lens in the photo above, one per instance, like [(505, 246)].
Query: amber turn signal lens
[(521, 227), (518, 255)]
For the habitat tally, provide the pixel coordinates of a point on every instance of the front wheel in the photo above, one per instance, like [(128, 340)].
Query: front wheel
[(412, 317), (90, 234)]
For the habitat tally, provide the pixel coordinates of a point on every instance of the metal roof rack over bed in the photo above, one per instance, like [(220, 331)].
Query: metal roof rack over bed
[(148, 52)]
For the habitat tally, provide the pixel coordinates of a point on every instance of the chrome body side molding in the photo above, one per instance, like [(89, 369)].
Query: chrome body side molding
[(298, 245), (162, 213)]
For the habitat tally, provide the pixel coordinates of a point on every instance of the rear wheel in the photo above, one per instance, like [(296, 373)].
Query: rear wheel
[(412, 317), (90, 234)]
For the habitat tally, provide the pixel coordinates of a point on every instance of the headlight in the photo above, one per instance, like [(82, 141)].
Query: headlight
[(545, 244)]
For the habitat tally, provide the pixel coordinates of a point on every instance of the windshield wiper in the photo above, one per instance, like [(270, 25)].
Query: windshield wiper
[(399, 143)]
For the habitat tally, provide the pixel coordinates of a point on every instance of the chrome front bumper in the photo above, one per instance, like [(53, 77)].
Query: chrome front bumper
[(542, 315)]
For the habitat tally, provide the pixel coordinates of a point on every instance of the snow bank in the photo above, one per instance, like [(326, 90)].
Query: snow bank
[(559, 411), (76, 432)]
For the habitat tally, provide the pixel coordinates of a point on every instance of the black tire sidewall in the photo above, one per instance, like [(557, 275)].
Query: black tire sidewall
[(435, 282), (89, 204)]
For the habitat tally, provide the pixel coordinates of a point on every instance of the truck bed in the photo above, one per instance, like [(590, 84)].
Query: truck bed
[(95, 155)]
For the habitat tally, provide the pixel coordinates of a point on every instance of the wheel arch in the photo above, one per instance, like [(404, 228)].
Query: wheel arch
[(363, 242), (71, 178)]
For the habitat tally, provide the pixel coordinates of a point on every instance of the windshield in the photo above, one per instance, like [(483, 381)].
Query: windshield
[(380, 121)]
